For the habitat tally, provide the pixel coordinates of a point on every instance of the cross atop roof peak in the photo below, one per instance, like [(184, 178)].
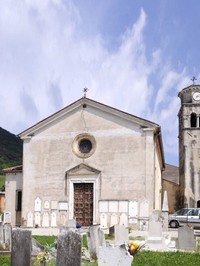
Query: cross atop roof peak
[(85, 90)]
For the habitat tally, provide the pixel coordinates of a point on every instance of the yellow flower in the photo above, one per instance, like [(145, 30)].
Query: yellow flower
[(133, 245), (41, 256)]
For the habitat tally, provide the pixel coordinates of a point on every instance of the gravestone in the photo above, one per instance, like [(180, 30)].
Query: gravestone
[(113, 206), (54, 205), (155, 239), (155, 228), (38, 203), (63, 218), (121, 234), (71, 223), (95, 238), (45, 220), (156, 216), (103, 206), (65, 229), (69, 249), (113, 219), (63, 206), (46, 205), (36, 247), (103, 220), (123, 220), (155, 232), (7, 217), (53, 219), (185, 239), (114, 255), (30, 219), (133, 212), (21, 248), (123, 206), (37, 219), (143, 212), (165, 206), (144, 209), (5, 236), (165, 210)]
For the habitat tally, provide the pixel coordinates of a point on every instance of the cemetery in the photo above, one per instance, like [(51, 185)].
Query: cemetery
[(151, 243), (117, 245)]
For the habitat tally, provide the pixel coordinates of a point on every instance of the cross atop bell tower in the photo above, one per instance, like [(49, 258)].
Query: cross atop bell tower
[(193, 80)]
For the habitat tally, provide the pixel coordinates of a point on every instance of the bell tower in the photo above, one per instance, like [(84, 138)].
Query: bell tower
[(189, 146)]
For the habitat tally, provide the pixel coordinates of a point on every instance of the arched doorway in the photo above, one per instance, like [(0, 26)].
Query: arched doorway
[(82, 190)]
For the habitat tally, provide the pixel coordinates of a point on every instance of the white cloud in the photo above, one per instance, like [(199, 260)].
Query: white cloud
[(46, 61)]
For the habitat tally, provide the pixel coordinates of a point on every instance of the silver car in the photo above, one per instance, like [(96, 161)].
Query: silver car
[(185, 216)]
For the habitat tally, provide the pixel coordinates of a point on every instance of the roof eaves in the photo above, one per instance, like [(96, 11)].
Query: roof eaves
[(14, 169), (28, 133)]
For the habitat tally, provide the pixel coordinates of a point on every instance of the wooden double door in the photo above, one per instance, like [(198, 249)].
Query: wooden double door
[(83, 203)]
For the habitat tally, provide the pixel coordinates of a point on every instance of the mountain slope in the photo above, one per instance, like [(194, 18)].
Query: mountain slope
[(10, 149)]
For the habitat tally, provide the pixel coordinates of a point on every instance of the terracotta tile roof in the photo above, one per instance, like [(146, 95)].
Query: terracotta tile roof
[(14, 169)]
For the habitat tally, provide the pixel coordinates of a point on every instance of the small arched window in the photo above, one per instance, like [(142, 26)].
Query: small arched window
[(193, 120)]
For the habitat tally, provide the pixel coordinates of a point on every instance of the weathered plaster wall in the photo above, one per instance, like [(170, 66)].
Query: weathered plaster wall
[(13, 183), (189, 146), (125, 156)]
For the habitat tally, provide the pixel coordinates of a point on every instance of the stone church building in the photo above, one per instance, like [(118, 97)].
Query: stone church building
[(189, 146), (89, 162)]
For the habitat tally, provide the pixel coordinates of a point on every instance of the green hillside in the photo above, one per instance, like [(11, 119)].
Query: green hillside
[(10, 150)]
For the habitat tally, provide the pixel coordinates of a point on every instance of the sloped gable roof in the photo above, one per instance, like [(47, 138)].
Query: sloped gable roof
[(84, 102)]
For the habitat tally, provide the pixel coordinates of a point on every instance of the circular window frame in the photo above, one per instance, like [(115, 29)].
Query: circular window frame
[(76, 145)]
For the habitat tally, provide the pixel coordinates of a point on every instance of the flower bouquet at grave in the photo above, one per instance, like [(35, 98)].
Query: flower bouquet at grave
[(42, 258), (47, 254), (134, 247)]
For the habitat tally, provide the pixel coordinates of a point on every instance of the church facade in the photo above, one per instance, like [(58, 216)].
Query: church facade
[(89, 162), (189, 146)]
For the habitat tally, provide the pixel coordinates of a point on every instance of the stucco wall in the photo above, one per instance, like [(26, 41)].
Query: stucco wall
[(13, 183), (124, 155)]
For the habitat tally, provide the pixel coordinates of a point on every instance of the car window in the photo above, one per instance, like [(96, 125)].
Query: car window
[(193, 212), (182, 212)]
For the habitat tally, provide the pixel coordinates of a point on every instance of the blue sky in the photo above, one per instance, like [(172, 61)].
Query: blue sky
[(135, 55)]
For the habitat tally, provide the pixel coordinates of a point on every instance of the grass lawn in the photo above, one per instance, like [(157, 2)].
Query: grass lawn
[(143, 258), (150, 258), (4, 260), (45, 240)]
